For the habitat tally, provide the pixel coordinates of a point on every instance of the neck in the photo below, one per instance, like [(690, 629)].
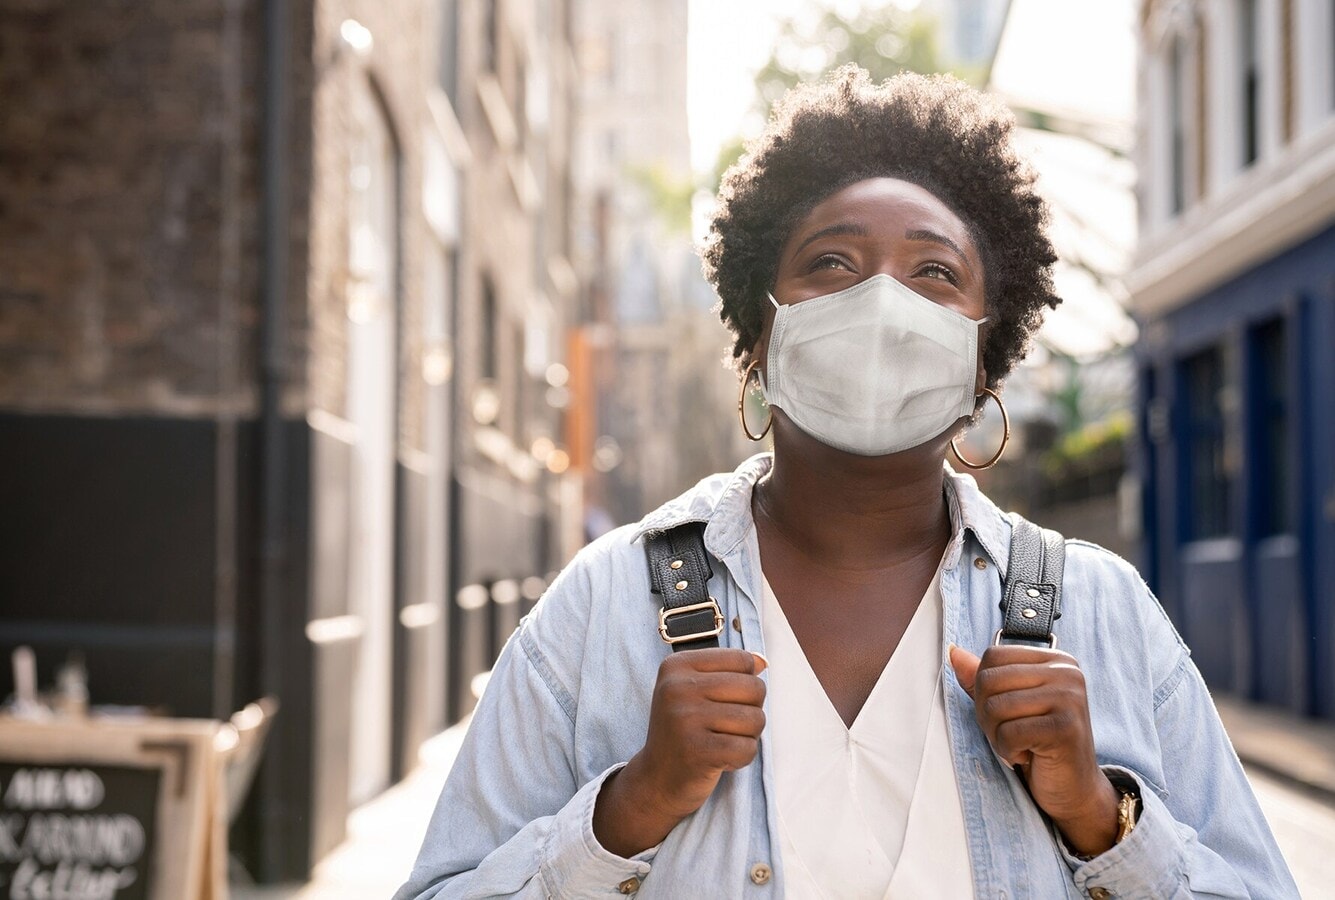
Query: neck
[(853, 512)]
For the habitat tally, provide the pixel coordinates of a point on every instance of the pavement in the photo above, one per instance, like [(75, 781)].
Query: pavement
[(384, 835), (1291, 748)]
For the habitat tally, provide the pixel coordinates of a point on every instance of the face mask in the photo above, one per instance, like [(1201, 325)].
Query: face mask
[(873, 369)]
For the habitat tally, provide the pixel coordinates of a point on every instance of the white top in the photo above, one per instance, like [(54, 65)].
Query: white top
[(872, 811)]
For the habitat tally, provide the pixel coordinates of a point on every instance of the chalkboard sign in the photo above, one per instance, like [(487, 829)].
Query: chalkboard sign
[(77, 832), (112, 809)]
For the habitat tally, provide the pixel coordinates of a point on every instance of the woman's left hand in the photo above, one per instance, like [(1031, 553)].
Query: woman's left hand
[(1031, 704)]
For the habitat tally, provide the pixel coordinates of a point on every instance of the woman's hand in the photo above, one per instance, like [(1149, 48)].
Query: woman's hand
[(1031, 704), (705, 720)]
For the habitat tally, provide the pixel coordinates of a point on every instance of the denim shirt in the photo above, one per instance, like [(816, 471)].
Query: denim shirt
[(568, 704)]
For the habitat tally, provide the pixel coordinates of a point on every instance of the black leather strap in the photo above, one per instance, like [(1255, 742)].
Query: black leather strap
[(1031, 598), (679, 574)]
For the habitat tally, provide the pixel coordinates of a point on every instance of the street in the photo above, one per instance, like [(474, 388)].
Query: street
[(1304, 825)]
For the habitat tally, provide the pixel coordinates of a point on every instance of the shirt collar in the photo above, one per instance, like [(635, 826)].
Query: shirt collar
[(971, 510), (723, 502)]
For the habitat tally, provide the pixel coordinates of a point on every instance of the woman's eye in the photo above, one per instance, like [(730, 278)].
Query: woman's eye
[(828, 261), (936, 270)]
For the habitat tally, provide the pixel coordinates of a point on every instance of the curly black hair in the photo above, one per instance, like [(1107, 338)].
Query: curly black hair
[(934, 131)]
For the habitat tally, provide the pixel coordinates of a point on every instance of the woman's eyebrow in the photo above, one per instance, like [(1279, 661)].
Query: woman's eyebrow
[(934, 238), (855, 228)]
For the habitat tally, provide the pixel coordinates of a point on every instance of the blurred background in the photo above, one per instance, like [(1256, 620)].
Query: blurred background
[(331, 329)]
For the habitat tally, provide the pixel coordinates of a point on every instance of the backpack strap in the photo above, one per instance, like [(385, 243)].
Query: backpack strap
[(679, 574), (1031, 598)]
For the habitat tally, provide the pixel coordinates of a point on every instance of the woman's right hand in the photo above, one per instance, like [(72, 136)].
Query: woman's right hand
[(705, 719)]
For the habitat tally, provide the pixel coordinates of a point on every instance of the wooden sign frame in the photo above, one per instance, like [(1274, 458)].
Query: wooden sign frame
[(189, 856)]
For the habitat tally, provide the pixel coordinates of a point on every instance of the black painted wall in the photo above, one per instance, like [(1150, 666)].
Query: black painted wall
[(107, 546)]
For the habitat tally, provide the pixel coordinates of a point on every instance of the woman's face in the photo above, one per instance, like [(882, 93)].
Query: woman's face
[(882, 226)]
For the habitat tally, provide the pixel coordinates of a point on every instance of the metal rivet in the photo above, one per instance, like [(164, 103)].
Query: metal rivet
[(737, 624), (1032, 592), (681, 585), (760, 874), (1029, 613), (980, 563), (676, 564)]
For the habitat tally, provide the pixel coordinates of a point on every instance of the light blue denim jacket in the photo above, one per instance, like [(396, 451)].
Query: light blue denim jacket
[(568, 704)]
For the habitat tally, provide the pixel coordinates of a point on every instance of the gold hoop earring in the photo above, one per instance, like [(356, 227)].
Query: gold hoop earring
[(741, 405), (1005, 437)]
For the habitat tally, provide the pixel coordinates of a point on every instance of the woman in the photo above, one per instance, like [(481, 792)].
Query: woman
[(881, 261)]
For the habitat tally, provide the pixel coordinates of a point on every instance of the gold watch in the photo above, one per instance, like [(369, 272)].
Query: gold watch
[(1128, 810)]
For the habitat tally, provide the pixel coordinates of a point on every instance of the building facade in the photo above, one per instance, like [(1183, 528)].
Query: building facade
[(1233, 285), (283, 292), (660, 400)]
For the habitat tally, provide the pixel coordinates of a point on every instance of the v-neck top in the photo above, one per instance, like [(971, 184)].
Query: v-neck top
[(870, 810)]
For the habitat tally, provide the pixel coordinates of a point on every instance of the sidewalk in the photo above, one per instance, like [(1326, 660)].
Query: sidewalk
[(383, 836), (1292, 748)]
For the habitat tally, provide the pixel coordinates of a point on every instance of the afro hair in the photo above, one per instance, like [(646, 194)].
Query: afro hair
[(934, 131)]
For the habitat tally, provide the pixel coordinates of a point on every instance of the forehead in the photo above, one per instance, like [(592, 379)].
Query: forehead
[(885, 207)]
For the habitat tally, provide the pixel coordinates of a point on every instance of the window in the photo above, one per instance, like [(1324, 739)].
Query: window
[(1270, 428), (521, 395), (1208, 484), (372, 208), (1177, 84), (521, 104), (448, 51), (491, 38), (488, 334), (1249, 60)]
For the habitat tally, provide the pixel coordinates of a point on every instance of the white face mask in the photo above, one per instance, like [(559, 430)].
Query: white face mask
[(873, 369)]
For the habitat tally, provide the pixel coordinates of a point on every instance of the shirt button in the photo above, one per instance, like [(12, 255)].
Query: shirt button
[(629, 886), (1098, 893), (980, 563), (760, 874)]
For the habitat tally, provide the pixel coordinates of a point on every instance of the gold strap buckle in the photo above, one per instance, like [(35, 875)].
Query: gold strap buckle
[(665, 614), (1052, 640)]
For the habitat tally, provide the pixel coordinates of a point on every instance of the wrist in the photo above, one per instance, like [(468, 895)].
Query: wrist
[(627, 817), (1094, 829)]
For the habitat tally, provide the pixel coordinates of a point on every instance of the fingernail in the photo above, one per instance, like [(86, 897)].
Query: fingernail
[(761, 663)]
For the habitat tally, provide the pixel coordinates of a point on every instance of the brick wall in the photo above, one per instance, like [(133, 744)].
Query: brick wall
[(128, 205)]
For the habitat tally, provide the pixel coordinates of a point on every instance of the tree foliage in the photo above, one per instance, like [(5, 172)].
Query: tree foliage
[(669, 196), (883, 39)]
